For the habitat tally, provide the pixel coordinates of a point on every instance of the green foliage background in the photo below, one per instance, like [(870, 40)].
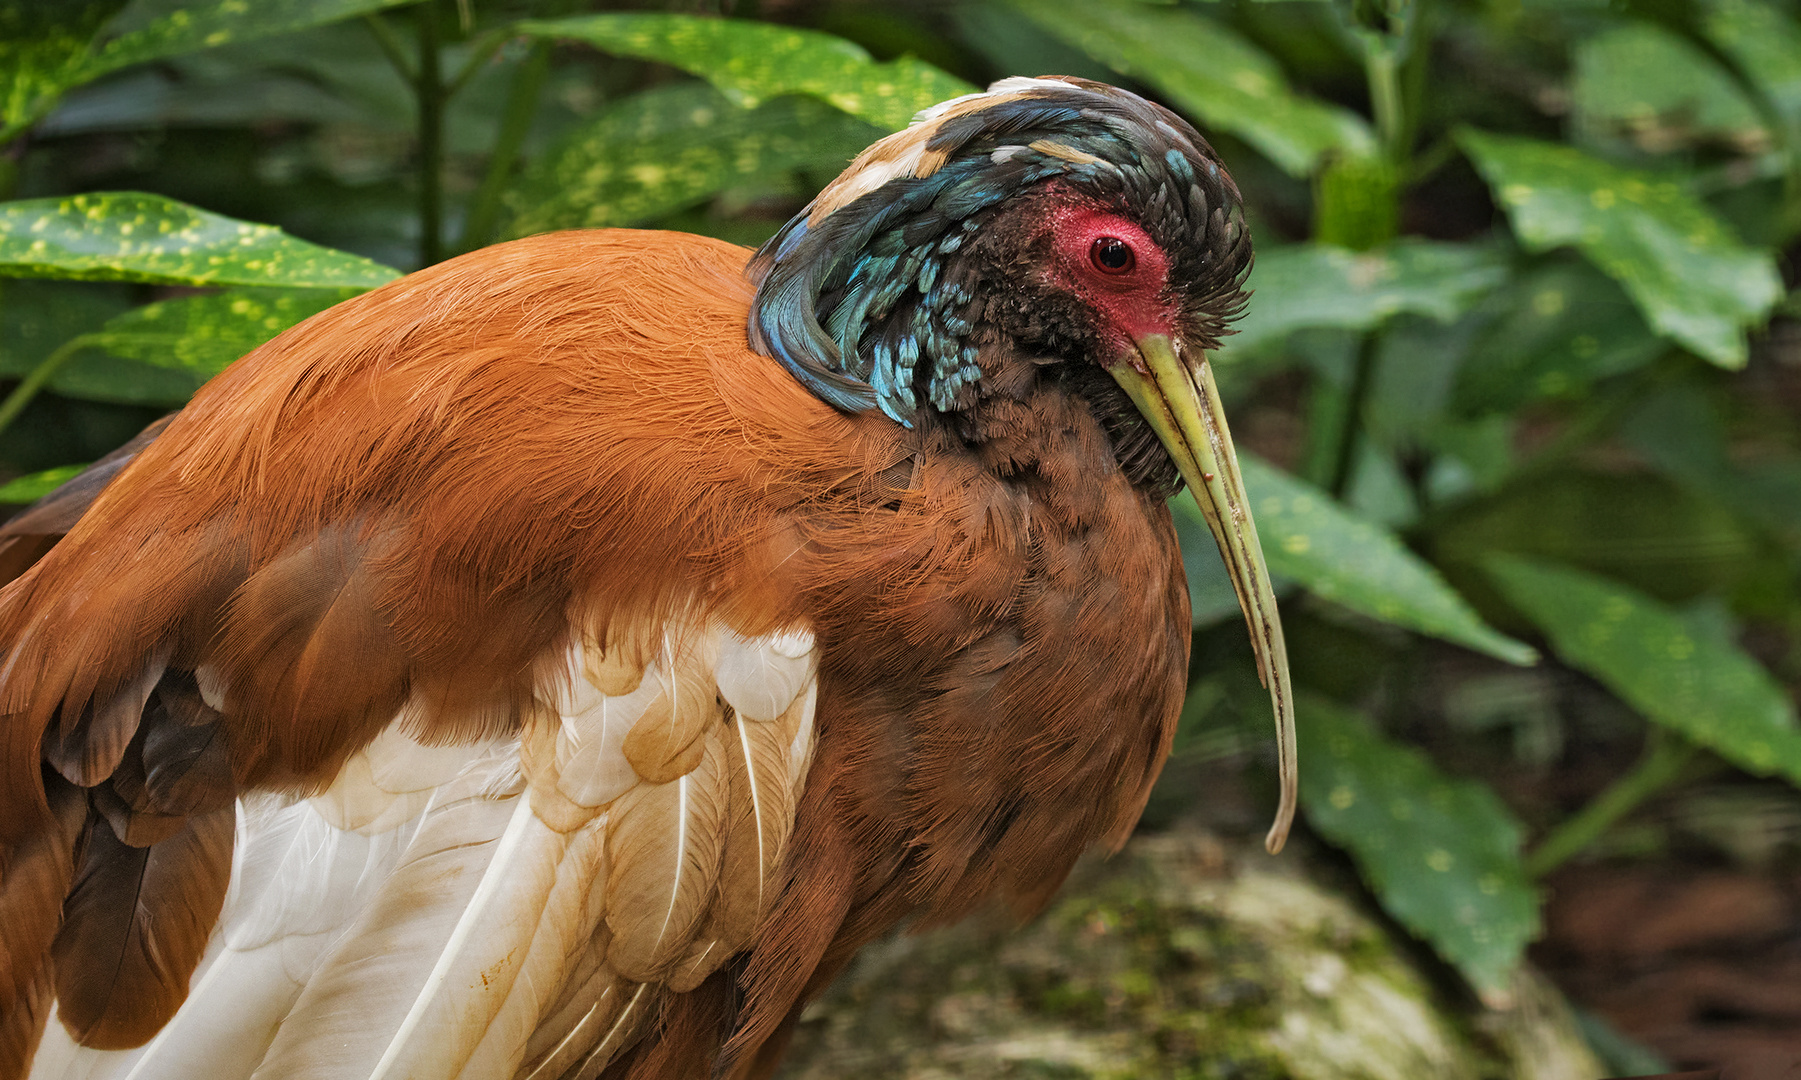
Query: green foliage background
[(1523, 361)]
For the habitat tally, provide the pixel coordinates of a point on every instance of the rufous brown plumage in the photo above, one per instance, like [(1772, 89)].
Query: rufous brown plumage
[(560, 661)]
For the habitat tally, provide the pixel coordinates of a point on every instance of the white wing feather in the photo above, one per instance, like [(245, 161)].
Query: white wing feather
[(425, 917)]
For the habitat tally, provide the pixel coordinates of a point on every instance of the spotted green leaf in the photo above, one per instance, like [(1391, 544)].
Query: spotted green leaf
[(42, 50), (1670, 669), (1556, 330), (1663, 92), (1442, 855), (751, 62), (1316, 285), (670, 147), (1694, 282), (151, 30), (1312, 539), (130, 236), (31, 488), (1219, 78), (204, 334)]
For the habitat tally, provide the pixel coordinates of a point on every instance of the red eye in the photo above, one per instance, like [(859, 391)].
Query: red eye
[(1111, 255)]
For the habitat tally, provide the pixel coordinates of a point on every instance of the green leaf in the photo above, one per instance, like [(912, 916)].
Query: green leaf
[(1442, 855), (94, 375), (130, 236), (1207, 70), (204, 334), (1661, 91), (1694, 282), (670, 147), (751, 62), (153, 30), (1766, 42), (42, 49), (1558, 329), (29, 489), (1669, 669), (1315, 285), (1311, 538)]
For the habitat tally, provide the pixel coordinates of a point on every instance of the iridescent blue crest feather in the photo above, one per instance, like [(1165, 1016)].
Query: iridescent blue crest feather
[(863, 296)]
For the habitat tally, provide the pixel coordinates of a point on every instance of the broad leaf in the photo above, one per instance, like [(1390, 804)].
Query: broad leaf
[(43, 47), (1315, 285), (1312, 539), (1663, 92), (1694, 282), (1209, 71), (204, 334), (670, 147), (1697, 683), (155, 29), (130, 236), (1556, 330), (1442, 855), (31, 488), (751, 62), (1766, 42), (96, 375)]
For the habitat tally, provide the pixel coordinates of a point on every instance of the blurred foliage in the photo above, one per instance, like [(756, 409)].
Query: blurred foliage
[(1523, 363)]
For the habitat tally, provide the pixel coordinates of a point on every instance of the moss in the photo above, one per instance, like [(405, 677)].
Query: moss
[(1152, 966)]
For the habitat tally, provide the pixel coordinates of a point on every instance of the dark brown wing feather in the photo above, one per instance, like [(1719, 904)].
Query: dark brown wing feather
[(134, 927)]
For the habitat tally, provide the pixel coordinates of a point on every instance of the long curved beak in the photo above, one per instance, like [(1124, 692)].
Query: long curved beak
[(1182, 405)]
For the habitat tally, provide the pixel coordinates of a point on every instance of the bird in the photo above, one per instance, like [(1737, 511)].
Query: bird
[(560, 661)]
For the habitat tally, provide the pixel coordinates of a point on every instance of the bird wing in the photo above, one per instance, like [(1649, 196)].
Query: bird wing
[(427, 698)]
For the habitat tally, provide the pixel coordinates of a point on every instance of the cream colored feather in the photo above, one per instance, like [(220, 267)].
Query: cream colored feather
[(420, 919), (663, 854)]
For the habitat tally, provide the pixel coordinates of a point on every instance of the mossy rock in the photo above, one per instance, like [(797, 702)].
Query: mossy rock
[(1182, 957)]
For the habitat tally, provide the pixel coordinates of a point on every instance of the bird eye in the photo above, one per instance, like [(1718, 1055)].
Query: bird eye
[(1111, 255)]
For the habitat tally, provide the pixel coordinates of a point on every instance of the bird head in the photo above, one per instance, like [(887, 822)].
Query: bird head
[(1060, 223)]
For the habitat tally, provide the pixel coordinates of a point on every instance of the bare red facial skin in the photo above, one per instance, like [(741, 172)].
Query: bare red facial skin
[(1133, 302)]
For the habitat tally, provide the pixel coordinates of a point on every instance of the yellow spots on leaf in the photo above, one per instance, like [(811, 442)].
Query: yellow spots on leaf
[(1440, 860), (1549, 302), (1297, 543), (1602, 198), (1516, 194), (1253, 83), (1342, 797)]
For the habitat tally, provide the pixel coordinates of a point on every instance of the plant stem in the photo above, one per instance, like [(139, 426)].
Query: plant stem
[(429, 90), (1382, 68), (1350, 428), (28, 387), (1664, 756), (522, 108)]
